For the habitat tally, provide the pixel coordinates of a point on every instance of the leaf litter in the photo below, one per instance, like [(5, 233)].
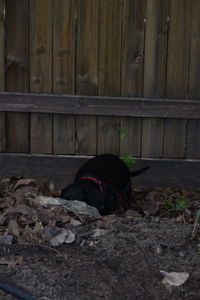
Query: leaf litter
[(34, 213)]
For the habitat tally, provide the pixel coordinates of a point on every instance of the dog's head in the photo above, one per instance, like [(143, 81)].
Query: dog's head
[(84, 193)]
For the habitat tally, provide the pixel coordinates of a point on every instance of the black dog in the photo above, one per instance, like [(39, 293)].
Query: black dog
[(100, 182)]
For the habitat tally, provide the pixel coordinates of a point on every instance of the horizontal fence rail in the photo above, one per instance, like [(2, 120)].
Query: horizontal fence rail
[(93, 105), (61, 170)]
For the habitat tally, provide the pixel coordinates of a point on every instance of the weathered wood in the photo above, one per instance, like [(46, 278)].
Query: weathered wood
[(193, 139), (41, 133), (108, 140), (174, 144), (133, 48), (155, 73), (177, 73), (2, 132), (2, 45), (17, 129), (132, 69), (106, 106), (157, 21), (41, 71), (86, 133), (194, 71), (64, 23), (61, 170), (87, 47), (109, 69), (131, 142), (17, 71), (193, 126), (87, 72), (110, 47), (152, 137), (2, 75), (64, 18), (63, 134)]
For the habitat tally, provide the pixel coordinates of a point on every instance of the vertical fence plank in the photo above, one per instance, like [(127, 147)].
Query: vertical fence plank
[(41, 71), (109, 70), (17, 71), (2, 46), (64, 72), (155, 73), (177, 74), (87, 71), (131, 143), (132, 69), (2, 77), (193, 126)]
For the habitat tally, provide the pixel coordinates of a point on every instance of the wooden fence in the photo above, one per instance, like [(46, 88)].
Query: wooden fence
[(115, 54)]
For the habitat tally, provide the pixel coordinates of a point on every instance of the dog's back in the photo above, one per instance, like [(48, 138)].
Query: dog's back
[(108, 167)]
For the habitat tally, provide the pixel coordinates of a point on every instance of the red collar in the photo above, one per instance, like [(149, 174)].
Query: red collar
[(98, 182)]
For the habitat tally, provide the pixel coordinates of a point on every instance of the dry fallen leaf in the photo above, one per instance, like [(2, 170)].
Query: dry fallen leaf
[(12, 262), (23, 182), (132, 213), (151, 203), (13, 227), (99, 232), (66, 236), (174, 278)]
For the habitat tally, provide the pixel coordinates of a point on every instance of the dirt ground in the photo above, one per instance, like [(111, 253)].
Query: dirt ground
[(117, 257), (124, 262)]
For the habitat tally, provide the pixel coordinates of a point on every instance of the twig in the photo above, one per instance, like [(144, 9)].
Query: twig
[(196, 222), (170, 210), (41, 246)]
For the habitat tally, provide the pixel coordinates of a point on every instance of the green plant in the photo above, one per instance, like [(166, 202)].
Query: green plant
[(127, 158), (179, 203)]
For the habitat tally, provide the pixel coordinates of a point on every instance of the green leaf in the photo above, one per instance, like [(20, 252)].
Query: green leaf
[(182, 203), (169, 204), (128, 159), (122, 132)]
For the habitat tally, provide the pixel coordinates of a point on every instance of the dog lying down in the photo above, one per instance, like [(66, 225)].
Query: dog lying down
[(101, 182)]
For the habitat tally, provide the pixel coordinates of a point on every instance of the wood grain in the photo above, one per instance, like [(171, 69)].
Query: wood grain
[(41, 133), (174, 144), (2, 75), (17, 132), (87, 72), (64, 26), (177, 73), (2, 46), (132, 69), (17, 71), (131, 143), (152, 137), (61, 170), (105, 106), (63, 134), (86, 134), (2, 132), (41, 71), (108, 140), (193, 126), (155, 73), (109, 69)]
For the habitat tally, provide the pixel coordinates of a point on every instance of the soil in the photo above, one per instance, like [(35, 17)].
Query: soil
[(115, 257), (123, 263)]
